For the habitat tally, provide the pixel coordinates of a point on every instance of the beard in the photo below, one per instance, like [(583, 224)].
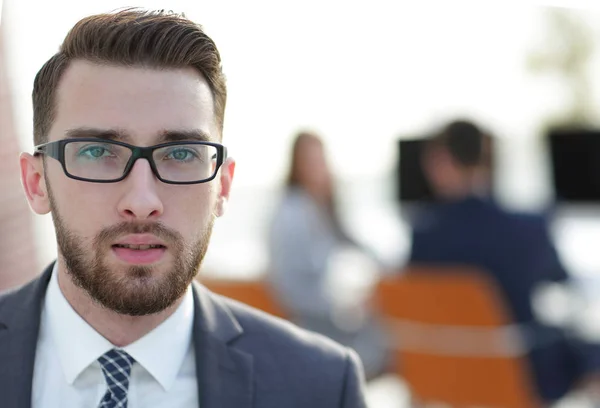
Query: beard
[(137, 290)]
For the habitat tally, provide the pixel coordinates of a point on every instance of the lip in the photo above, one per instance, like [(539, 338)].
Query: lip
[(139, 256), (140, 239)]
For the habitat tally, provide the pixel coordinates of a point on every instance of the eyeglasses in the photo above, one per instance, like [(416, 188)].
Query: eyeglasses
[(108, 161)]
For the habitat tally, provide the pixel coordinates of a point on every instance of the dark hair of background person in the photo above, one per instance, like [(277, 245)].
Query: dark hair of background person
[(467, 144), (294, 180), (130, 37)]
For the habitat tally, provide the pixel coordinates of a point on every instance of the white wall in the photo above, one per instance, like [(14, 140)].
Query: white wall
[(358, 72)]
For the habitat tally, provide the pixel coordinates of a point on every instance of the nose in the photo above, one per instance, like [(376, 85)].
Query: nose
[(140, 200)]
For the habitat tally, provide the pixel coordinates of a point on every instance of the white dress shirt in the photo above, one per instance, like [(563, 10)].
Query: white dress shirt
[(68, 375)]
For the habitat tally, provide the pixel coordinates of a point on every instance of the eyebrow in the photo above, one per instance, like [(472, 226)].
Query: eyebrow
[(123, 136), (108, 134), (183, 135)]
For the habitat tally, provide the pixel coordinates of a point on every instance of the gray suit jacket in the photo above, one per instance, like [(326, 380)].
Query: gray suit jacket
[(244, 358)]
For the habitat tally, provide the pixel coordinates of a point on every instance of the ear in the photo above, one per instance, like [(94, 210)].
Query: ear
[(34, 184), (226, 178)]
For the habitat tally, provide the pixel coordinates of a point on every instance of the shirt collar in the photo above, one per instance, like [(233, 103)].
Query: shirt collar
[(161, 352)]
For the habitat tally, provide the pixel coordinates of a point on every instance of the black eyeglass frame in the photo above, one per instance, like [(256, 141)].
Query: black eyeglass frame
[(56, 150)]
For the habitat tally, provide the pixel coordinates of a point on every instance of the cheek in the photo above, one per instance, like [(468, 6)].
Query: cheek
[(83, 207), (191, 211)]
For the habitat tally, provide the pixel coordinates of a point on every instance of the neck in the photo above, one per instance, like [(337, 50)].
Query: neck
[(320, 196), (473, 183), (120, 330)]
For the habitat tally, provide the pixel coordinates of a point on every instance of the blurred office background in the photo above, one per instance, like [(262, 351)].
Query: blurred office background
[(364, 75)]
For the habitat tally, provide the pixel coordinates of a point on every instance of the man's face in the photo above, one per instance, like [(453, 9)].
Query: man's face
[(133, 245)]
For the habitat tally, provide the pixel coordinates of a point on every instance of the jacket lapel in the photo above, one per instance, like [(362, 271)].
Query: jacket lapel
[(19, 326), (225, 374)]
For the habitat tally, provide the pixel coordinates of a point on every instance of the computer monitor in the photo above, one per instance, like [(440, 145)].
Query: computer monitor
[(575, 159), (411, 184)]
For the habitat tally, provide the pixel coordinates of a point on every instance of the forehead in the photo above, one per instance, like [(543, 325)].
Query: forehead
[(143, 102)]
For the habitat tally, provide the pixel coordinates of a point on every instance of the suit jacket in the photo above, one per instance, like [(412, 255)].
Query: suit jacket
[(517, 252), (244, 358), (515, 249)]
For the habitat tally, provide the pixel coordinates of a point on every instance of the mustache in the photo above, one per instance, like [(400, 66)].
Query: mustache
[(157, 229)]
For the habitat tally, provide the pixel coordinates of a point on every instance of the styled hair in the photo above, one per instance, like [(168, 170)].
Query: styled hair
[(132, 38)]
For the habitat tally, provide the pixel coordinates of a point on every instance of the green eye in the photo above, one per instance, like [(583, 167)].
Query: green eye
[(94, 152), (181, 155)]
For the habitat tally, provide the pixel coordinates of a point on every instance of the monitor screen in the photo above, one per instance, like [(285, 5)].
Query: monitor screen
[(411, 184), (575, 158)]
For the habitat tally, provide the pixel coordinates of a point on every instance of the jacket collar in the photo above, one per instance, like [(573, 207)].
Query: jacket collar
[(20, 312), (224, 373)]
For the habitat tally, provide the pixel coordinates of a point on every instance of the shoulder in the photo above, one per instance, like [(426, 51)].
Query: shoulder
[(530, 224), (295, 209), (289, 358), (523, 229), (22, 305), (520, 224), (529, 219), (16, 298), (294, 199), (7, 300), (476, 214), (266, 332)]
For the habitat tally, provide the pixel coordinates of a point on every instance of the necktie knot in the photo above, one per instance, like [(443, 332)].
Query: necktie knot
[(116, 367)]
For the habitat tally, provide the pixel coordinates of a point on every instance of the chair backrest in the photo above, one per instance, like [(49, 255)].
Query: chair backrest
[(255, 293), (454, 338)]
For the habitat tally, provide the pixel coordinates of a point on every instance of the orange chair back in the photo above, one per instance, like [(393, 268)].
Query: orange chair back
[(255, 293), (454, 340)]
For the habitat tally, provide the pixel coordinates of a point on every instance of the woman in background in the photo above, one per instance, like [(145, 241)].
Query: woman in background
[(318, 273)]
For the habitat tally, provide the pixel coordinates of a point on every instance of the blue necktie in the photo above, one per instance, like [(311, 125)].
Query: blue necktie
[(116, 367)]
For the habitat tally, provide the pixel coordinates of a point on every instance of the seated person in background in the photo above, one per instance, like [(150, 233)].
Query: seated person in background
[(318, 273), (468, 227)]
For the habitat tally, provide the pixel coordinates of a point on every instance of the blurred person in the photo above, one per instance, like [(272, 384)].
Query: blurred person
[(128, 118), (468, 227), (321, 276)]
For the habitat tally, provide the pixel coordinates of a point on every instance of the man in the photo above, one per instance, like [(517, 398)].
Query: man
[(468, 227), (128, 118)]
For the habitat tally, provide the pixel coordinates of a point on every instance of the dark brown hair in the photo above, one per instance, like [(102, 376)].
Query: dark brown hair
[(301, 138), (466, 142), (130, 37), (294, 181)]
